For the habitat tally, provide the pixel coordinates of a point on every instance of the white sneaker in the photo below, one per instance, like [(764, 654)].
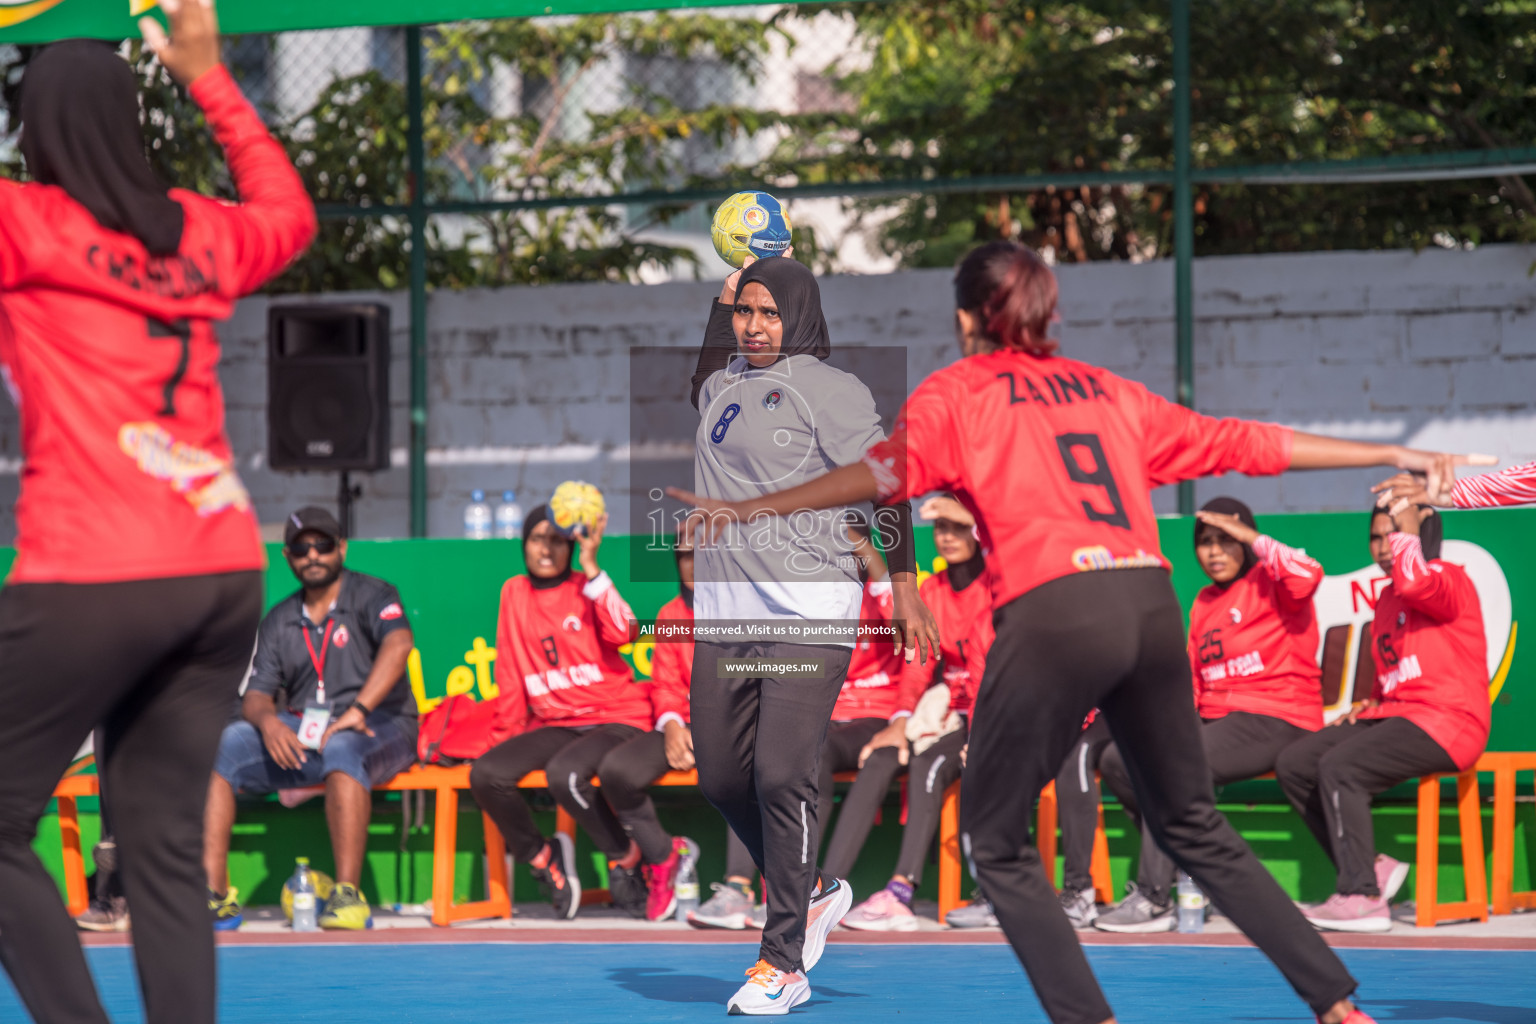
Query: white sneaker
[(769, 991), (882, 912), (827, 908), (1390, 876)]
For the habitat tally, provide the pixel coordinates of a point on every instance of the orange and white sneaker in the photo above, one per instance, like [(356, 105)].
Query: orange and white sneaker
[(828, 907), (769, 991)]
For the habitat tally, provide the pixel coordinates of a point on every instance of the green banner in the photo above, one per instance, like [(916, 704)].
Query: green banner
[(41, 21), (451, 588)]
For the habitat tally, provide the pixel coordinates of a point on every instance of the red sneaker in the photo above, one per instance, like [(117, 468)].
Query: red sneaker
[(1356, 1016), (662, 878)]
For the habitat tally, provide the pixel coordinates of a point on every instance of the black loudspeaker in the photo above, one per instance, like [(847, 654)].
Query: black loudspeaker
[(328, 387)]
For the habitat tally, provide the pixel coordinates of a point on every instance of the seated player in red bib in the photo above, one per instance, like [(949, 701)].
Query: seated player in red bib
[(1428, 713), (629, 770), (569, 698), (1253, 650), (958, 596)]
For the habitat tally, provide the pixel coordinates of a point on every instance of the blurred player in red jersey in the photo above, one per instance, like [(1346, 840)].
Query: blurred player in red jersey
[(1429, 712), (958, 596), (1057, 458), (568, 698), (1253, 651), (136, 591), (630, 769)]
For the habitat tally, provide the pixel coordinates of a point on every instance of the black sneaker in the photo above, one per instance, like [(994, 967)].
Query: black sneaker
[(558, 877), (627, 888)]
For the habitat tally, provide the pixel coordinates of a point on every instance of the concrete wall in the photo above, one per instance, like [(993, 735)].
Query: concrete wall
[(531, 386)]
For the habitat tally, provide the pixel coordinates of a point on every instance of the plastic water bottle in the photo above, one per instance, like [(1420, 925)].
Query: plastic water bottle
[(477, 517), (302, 885), (509, 517), (1191, 905), (686, 888)]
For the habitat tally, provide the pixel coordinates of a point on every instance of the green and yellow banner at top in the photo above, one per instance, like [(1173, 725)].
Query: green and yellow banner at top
[(41, 21)]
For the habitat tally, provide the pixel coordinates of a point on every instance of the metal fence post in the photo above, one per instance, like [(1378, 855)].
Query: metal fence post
[(1183, 231), (416, 146)]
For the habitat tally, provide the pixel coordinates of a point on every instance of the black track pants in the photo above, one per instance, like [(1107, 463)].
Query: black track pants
[(758, 744), (862, 802), (626, 774), (569, 758), (1077, 804), (1331, 775), (156, 663), (1237, 746), (1112, 640), (930, 774)]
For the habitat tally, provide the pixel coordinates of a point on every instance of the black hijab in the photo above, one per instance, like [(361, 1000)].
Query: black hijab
[(1431, 530), (1231, 507), (794, 288), (80, 131), (535, 516)]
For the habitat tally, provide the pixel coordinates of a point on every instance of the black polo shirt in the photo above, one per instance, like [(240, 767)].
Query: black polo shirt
[(366, 611)]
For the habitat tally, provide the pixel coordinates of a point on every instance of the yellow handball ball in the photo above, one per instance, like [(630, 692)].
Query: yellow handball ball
[(323, 886), (574, 504), (750, 224)]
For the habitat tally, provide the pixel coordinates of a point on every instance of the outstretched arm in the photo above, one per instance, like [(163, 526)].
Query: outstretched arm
[(275, 219)]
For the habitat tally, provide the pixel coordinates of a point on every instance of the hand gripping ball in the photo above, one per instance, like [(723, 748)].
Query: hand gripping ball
[(574, 504), (750, 223)]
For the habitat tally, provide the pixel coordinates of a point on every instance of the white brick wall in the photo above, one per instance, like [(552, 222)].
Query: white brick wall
[(531, 386)]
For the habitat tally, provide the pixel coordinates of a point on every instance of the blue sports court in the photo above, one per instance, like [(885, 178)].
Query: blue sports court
[(650, 983)]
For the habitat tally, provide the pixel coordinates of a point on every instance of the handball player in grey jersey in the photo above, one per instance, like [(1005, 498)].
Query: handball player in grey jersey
[(773, 414)]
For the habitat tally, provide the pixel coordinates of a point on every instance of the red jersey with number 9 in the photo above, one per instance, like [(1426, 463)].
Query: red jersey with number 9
[(1057, 459), (110, 355)]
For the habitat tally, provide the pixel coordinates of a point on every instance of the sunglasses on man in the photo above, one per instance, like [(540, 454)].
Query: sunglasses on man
[(302, 548)]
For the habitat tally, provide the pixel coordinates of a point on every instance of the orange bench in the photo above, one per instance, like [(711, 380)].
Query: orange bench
[(951, 869), (1429, 911), (1504, 765)]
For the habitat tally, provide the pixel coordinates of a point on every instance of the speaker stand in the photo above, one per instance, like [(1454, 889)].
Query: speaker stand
[(348, 493)]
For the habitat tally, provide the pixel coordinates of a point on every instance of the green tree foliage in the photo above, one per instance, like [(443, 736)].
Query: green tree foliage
[(351, 145), (951, 88)]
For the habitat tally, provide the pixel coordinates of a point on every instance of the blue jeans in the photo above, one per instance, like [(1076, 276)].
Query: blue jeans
[(245, 764)]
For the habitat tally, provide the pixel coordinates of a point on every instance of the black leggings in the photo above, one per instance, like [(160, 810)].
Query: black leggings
[(862, 802), (758, 746), (1331, 775), (569, 758), (156, 664), (1112, 640), (1077, 804), (928, 776), (1237, 746), (626, 774)]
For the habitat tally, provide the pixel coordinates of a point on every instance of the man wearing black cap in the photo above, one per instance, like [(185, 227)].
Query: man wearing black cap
[(327, 703)]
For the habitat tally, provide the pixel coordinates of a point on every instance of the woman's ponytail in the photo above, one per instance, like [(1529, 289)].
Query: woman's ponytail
[(1012, 293)]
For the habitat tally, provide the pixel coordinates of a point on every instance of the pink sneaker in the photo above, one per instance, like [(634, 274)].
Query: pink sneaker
[(1355, 913), (1390, 876), (662, 878), (882, 912)]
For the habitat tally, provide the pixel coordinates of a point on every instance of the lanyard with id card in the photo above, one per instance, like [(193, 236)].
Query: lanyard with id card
[(317, 713)]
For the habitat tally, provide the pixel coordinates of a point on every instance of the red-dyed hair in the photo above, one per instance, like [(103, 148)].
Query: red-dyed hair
[(1012, 292)]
